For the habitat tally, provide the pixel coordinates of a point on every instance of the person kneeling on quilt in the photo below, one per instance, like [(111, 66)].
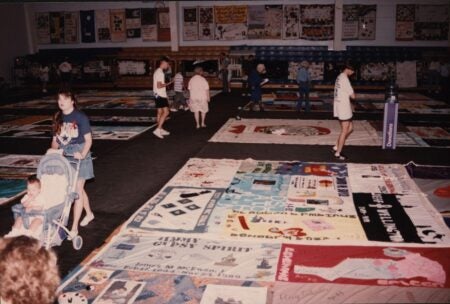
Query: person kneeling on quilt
[(32, 201)]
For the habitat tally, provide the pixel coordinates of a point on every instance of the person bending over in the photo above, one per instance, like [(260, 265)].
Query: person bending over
[(343, 91)]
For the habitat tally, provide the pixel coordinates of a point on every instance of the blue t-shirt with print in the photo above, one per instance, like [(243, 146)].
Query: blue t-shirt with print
[(75, 126)]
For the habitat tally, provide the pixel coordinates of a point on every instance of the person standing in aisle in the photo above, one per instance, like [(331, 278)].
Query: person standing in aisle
[(162, 103), (255, 82), (247, 67), (43, 76), (224, 61), (303, 81), (343, 91), (199, 97)]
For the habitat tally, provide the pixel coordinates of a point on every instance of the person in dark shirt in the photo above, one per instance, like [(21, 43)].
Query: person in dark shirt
[(248, 66), (255, 82), (72, 133)]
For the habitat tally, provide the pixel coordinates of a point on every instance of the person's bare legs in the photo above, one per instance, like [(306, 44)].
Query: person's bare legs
[(203, 119), (163, 117), (345, 127), (350, 130), (35, 223), (158, 117), (18, 223), (197, 119), (78, 205)]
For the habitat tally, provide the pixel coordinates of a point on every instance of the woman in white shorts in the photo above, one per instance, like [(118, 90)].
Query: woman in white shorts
[(343, 91)]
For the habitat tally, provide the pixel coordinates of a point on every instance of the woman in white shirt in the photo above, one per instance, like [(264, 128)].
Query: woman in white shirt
[(343, 91), (199, 97)]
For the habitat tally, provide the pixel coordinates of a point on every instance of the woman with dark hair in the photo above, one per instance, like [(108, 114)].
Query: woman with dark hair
[(72, 133)]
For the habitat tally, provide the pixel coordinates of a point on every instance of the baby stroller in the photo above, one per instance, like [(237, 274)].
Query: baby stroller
[(58, 184)]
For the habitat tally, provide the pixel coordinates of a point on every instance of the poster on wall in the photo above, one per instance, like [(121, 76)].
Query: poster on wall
[(406, 74), (404, 26), (317, 22), (206, 23), (274, 22), (87, 19), (291, 22), (431, 22), (256, 21), (118, 29), (42, 28), (367, 22), (133, 23), (148, 24), (102, 25), (190, 23), (231, 22), (56, 27), (163, 24), (350, 22), (71, 27)]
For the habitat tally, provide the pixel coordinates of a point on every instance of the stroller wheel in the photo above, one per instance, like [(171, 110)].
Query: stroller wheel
[(77, 242)]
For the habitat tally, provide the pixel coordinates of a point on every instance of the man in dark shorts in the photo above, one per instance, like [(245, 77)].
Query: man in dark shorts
[(162, 103)]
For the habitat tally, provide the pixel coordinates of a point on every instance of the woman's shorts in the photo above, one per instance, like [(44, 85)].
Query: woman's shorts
[(161, 102), (86, 166)]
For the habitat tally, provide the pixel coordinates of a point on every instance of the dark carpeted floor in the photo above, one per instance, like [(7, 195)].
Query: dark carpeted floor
[(129, 173)]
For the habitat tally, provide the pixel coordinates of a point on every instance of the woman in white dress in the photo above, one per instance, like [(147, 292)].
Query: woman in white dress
[(199, 97)]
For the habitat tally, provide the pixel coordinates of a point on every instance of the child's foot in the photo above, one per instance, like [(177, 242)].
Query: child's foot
[(87, 219), (13, 233), (72, 234)]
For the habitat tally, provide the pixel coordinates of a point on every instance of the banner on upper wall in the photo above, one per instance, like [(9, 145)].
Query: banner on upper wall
[(71, 27), (422, 22), (149, 24), (87, 19), (273, 22), (102, 24), (163, 24), (231, 22), (190, 23), (42, 28), (56, 27), (118, 29), (317, 21), (359, 22), (256, 21), (133, 23), (206, 23), (404, 26), (291, 22), (431, 22)]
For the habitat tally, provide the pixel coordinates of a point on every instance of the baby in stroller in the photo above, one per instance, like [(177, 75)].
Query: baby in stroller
[(33, 200), (44, 211)]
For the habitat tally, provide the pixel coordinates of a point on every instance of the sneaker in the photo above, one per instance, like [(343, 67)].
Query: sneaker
[(87, 219), (340, 156), (164, 132), (173, 110), (158, 133)]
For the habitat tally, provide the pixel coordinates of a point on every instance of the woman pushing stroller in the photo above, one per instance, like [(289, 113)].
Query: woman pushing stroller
[(72, 133)]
